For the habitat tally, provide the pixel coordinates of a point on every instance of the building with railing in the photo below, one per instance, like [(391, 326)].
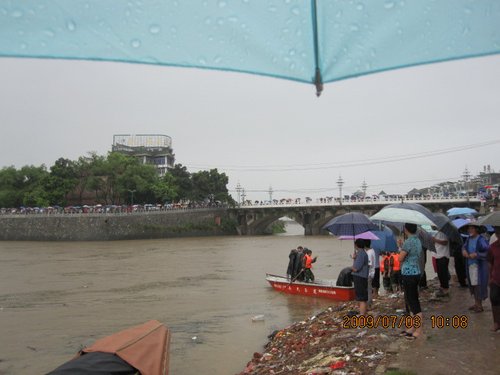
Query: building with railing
[(155, 149)]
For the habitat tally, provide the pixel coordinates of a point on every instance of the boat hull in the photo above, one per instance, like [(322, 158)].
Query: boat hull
[(323, 289)]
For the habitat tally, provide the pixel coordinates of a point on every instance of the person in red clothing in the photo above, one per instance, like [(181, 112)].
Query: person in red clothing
[(395, 271), (494, 261), (308, 261)]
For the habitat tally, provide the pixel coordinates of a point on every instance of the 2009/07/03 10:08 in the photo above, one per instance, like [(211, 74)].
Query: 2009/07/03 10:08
[(404, 321)]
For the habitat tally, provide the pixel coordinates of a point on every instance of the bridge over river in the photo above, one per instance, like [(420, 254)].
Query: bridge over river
[(207, 221), (254, 219)]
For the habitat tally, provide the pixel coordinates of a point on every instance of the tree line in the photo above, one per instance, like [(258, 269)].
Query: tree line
[(112, 179)]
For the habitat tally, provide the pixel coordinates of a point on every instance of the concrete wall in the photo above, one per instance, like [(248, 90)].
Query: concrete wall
[(100, 227)]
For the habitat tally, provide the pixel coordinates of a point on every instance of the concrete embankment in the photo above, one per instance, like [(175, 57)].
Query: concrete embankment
[(103, 227)]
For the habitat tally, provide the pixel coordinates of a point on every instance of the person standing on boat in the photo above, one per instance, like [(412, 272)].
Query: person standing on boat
[(360, 274), (308, 261), (298, 264), (290, 271)]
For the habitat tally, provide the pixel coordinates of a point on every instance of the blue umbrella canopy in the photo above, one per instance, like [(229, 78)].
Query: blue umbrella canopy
[(350, 224), (386, 241), (314, 41), (456, 211)]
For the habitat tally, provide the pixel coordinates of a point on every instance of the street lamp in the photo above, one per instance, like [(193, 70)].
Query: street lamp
[(466, 176), (364, 186), (270, 194), (340, 182), (243, 195), (132, 196), (238, 190)]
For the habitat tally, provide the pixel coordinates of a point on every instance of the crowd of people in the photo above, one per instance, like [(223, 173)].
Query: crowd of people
[(476, 265)]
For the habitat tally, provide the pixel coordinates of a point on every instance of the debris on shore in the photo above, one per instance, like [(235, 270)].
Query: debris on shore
[(326, 344)]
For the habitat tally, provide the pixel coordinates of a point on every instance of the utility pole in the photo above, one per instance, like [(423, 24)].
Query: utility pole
[(270, 194), (340, 183), (364, 186), (238, 191), (466, 176), (243, 195)]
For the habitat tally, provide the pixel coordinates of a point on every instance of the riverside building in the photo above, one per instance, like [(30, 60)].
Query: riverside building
[(153, 149)]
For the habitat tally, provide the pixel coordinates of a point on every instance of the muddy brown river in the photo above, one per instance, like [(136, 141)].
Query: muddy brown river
[(57, 297)]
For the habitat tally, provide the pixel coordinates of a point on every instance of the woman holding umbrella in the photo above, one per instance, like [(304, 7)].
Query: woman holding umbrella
[(475, 251), (409, 256)]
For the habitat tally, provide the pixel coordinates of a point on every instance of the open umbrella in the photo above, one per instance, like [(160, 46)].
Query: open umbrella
[(405, 213), (491, 219), (386, 241), (446, 226), (460, 223), (457, 211), (365, 236), (314, 41), (350, 224)]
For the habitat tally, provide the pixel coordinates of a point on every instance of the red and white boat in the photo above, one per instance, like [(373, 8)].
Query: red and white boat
[(320, 288)]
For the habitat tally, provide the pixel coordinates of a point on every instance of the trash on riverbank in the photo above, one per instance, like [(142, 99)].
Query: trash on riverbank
[(258, 318), (334, 341)]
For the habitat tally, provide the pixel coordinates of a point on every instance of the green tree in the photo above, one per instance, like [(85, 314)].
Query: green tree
[(11, 185), (182, 180), (210, 185), (62, 180), (165, 190), (33, 190)]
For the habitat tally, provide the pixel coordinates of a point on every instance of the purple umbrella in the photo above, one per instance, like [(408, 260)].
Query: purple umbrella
[(364, 236)]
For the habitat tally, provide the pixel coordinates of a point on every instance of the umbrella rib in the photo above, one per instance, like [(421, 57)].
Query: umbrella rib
[(318, 81)]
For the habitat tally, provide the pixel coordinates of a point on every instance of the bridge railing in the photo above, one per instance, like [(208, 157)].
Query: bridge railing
[(362, 202)]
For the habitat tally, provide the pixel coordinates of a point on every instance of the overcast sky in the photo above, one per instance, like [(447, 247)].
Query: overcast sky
[(295, 142)]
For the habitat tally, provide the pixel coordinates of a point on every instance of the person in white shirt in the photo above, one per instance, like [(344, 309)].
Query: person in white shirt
[(371, 269), (442, 260)]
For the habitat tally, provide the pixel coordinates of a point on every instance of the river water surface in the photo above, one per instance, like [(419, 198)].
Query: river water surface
[(57, 297)]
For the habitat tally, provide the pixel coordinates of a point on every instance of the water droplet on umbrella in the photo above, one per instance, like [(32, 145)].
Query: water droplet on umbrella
[(354, 27), (292, 52), (222, 4), (16, 13), (217, 59), (136, 43), (24, 46), (70, 25), (272, 8), (465, 30), (296, 11), (360, 6), (202, 61), (389, 4), (467, 10), (233, 19), (154, 29), (50, 33)]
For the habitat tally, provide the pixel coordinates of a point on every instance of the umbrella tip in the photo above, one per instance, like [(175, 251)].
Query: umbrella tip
[(318, 82)]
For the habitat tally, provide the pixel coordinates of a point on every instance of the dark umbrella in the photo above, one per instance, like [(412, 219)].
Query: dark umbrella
[(491, 219), (350, 224), (445, 225)]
